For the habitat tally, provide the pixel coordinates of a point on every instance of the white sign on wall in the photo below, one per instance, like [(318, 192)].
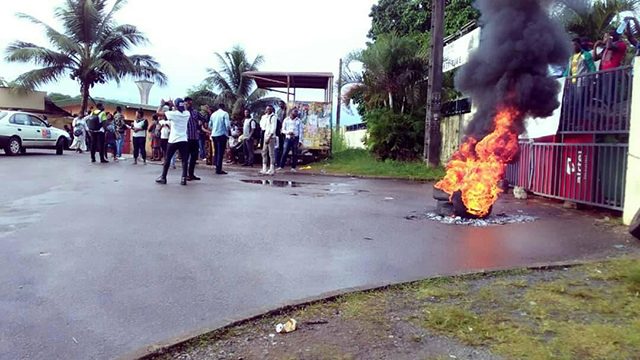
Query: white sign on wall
[(457, 52)]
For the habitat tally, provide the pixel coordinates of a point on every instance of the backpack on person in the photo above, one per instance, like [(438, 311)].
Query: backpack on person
[(94, 123)]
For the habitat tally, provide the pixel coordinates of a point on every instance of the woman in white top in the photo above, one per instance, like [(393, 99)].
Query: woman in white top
[(80, 135)]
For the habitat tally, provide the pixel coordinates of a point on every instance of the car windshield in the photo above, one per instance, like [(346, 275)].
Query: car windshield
[(3, 114)]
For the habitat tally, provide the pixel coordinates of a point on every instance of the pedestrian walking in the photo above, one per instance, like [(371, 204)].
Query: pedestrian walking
[(193, 138), (292, 130), (268, 123), (139, 128), (179, 119), (79, 143), (219, 124)]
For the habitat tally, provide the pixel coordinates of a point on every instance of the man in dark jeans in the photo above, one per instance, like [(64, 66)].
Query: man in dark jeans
[(193, 138), (219, 124), (97, 136)]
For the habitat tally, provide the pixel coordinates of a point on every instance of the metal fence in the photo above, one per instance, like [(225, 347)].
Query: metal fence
[(597, 102), (592, 174)]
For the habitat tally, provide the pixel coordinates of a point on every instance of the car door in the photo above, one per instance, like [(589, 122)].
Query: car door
[(22, 127), (43, 136)]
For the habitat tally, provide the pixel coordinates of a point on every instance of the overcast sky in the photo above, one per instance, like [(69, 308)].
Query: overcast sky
[(292, 35)]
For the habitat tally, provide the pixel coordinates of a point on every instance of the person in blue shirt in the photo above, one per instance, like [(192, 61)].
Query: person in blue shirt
[(219, 125)]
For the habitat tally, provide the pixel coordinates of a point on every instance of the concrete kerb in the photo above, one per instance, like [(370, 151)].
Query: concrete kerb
[(160, 348)]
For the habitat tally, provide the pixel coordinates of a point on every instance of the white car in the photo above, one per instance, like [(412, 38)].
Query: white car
[(20, 130)]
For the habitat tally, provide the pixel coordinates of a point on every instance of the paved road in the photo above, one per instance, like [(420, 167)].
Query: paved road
[(99, 262)]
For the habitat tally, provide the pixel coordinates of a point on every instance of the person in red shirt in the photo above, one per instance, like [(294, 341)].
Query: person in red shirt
[(614, 51)]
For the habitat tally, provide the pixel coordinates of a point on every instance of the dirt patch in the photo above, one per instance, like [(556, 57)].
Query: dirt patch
[(588, 312)]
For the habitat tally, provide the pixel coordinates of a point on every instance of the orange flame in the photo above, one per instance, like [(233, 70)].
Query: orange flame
[(477, 167)]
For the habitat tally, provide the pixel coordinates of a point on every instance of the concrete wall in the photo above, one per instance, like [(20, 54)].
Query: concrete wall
[(632, 190), (33, 100), (355, 138)]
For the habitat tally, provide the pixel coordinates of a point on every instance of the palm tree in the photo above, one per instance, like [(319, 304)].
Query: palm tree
[(393, 76), (90, 49), (596, 19), (235, 90), (3, 82)]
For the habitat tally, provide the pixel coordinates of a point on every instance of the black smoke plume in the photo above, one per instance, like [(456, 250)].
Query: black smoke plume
[(519, 40)]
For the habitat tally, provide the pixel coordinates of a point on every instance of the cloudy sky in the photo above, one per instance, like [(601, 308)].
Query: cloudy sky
[(292, 35)]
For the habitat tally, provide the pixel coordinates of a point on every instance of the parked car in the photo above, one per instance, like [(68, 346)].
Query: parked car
[(20, 130)]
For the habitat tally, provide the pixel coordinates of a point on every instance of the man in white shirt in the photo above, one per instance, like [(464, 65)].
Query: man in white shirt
[(178, 119), (292, 131), (268, 123)]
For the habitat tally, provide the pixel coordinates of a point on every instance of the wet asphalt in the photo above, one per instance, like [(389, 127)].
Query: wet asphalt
[(99, 262)]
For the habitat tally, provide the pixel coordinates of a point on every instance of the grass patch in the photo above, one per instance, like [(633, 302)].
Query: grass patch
[(587, 312), (361, 162)]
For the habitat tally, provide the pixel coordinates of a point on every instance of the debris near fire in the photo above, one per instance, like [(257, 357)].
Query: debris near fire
[(491, 220), (507, 80)]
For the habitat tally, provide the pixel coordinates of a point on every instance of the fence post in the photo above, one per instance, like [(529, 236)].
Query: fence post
[(632, 188)]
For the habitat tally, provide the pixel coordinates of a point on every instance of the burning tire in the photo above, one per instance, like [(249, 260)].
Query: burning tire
[(460, 209), (634, 228), (445, 208), (440, 195)]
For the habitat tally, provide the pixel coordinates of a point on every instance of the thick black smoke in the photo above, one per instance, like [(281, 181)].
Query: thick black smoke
[(519, 41)]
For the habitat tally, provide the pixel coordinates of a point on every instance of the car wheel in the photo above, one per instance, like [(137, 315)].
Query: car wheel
[(60, 145), (13, 146)]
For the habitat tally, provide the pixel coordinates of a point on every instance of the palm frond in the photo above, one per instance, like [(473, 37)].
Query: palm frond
[(19, 51), (35, 78)]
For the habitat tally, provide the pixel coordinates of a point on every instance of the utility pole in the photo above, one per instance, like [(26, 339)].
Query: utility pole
[(434, 93), (339, 105)]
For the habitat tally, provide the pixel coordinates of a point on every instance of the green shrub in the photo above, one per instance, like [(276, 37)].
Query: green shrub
[(394, 136), (338, 141)]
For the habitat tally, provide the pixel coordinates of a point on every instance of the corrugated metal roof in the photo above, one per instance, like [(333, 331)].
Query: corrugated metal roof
[(306, 80)]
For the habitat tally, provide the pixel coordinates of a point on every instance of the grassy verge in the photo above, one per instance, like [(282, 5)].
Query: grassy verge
[(584, 312), (359, 162)]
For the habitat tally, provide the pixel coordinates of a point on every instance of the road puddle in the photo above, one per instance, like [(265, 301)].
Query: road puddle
[(275, 183)]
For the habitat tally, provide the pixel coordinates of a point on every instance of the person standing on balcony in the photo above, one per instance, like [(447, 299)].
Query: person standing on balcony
[(613, 53), (580, 62)]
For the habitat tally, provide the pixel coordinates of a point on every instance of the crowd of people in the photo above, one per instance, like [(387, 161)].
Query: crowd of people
[(179, 130)]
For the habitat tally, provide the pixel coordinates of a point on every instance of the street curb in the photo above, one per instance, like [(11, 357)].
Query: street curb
[(162, 347)]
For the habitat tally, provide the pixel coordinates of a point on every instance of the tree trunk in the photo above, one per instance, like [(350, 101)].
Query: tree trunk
[(84, 90), (390, 100)]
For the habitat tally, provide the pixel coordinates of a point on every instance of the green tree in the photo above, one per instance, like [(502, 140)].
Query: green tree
[(596, 19), (91, 49), (236, 91), (413, 17), (201, 95)]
